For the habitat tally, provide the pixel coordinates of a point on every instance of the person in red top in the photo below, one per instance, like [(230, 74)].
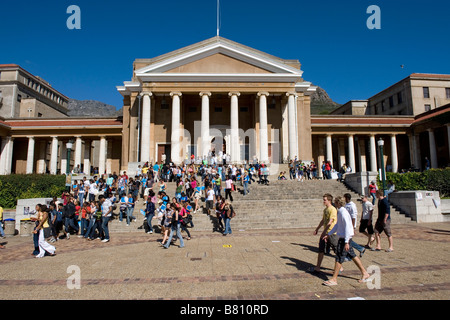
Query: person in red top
[(85, 211), (372, 190)]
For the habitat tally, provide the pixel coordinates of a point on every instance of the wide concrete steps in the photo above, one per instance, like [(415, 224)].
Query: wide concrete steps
[(280, 205)]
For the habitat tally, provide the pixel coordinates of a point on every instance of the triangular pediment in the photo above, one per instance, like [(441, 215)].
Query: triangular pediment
[(216, 56), (220, 64)]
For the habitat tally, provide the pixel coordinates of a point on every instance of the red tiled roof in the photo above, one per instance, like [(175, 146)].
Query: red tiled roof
[(430, 75), (361, 121), (432, 113), (63, 123)]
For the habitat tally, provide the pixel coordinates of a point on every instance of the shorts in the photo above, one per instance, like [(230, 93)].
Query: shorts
[(341, 254), (380, 226), (365, 225), (209, 204), (324, 247)]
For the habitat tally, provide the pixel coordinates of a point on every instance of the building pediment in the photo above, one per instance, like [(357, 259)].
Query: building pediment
[(218, 59)]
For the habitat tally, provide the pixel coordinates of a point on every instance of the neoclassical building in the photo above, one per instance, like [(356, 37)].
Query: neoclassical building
[(223, 96)]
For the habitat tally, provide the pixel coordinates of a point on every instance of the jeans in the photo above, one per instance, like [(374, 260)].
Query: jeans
[(81, 198), (90, 228), (228, 194), (105, 221), (121, 212), (149, 218), (227, 226), (175, 228), (71, 223), (373, 198), (217, 190), (2, 233), (130, 214), (357, 246), (84, 226), (245, 187)]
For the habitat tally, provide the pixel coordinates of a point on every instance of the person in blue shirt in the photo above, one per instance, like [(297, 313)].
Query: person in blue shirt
[(130, 210), (149, 213), (245, 182)]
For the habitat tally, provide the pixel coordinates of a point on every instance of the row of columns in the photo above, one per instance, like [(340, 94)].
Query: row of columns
[(372, 148), (6, 155), (205, 132)]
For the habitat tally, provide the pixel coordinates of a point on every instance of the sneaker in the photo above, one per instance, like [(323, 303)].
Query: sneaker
[(68, 236), (105, 240)]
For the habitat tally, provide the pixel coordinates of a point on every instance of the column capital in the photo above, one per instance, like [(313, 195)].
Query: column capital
[(234, 93), (205, 93), (30, 137), (259, 94), (172, 94), (146, 93), (350, 135), (288, 94)]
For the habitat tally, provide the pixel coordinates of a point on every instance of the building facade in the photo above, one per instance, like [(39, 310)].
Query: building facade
[(219, 95)]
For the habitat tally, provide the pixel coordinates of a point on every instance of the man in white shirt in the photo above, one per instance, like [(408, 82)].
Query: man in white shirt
[(366, 221), (210, 199), (351, 208), (344, 250), (106, 215)]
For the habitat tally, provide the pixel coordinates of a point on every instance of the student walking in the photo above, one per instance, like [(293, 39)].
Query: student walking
[(175, 227), (350, 206), (149, 214), (328, 222), (365, 225), (228, 188), (383, 222), (228, 214), (344, 250), (44, 246)]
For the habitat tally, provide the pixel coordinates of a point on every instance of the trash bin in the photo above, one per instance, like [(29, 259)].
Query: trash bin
[(26, 227), (10, 227)]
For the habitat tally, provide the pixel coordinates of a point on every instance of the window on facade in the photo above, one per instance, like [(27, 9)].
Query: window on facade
[(447, 93), (426, 92), (19, 98), (39, 115), (391, 101), (383, 106), (427, 107)]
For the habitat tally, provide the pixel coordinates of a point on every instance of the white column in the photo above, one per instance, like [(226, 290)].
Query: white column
[(292, 131), (30, 155), (102, 156), (394, 155), (109, 145), (54, 156), (77, 156), (206, 142), (373, 154), (351, 153), (3, 154), (87, 157), (145, 128), (176, 132), (234, 126), (263, 134), (42, 152), (329, 147), (284, 128), (433, 154)]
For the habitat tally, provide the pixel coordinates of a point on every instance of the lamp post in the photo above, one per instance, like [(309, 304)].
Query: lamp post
[(383, 173), (69, 146)]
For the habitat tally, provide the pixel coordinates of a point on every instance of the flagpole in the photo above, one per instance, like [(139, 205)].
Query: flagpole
[(218, 5)]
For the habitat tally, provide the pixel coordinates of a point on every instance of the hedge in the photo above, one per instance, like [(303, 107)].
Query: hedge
[(26, 186), (432, 180)]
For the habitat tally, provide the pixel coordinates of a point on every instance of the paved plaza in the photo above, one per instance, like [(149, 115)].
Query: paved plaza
[(248, 265)]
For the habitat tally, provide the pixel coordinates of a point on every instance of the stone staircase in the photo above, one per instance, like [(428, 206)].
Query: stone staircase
[(280, 205)]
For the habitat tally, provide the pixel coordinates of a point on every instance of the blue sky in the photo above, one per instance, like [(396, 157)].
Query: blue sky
[(330, 38)]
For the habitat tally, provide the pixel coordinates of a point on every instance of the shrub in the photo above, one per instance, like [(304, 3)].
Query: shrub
[(432, 180), (19, 186)]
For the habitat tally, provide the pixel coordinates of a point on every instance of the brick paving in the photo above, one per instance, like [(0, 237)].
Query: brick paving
[(248, 265)]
